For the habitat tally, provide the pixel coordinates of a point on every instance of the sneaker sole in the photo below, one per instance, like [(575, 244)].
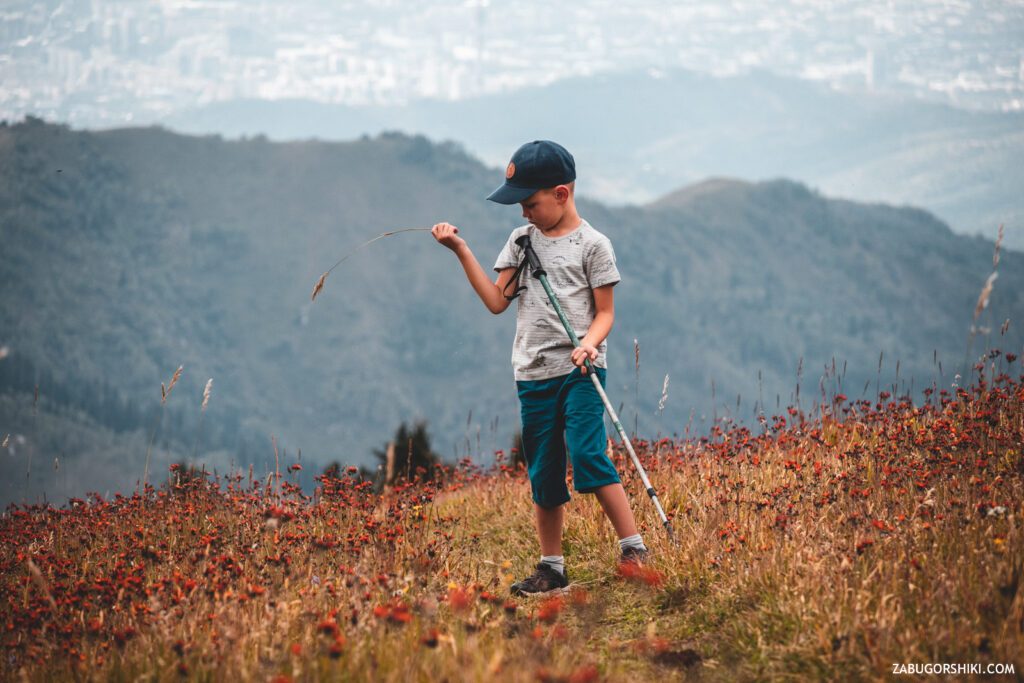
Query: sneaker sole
[(543, 594)]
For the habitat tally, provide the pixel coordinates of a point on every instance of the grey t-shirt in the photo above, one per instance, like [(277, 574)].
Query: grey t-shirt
[(575, 264)]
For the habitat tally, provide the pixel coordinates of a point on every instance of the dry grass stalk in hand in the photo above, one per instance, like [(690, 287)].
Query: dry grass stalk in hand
[(320, 283), (318, 286)]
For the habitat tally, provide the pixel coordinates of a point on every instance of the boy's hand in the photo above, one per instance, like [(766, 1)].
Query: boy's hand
[(581, 354), (448, 235)]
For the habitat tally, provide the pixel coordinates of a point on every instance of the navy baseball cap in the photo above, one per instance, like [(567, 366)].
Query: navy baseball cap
[(536, 165)]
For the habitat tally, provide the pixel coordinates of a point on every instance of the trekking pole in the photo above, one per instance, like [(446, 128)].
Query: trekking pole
[(538, 272)]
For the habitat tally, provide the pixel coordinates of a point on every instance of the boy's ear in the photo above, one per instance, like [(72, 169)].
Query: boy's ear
[(561, 193)]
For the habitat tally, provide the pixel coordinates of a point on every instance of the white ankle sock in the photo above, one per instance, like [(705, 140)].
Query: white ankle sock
[(556, 562), (634, 541)]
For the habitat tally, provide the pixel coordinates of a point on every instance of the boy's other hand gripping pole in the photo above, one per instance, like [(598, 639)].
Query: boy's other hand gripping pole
[(538, 272)]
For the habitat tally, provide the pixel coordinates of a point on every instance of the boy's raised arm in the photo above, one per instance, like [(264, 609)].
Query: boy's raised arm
[(489, 292)]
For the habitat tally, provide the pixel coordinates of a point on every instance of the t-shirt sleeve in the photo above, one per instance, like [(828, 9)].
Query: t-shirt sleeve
[(510, 254), (600, 265)]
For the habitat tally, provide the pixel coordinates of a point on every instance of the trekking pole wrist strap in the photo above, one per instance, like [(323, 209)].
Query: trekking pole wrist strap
[(514, 282)]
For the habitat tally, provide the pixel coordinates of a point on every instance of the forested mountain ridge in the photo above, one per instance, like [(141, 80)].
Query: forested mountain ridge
[(130, 252)]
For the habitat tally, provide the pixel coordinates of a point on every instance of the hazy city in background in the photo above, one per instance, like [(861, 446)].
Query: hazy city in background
[(338, 70), (107, 62)]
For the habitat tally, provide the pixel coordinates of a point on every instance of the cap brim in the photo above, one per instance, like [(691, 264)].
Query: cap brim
[(509, 194)]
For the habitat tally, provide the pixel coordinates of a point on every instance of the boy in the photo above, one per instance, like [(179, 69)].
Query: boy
[(555, 394)]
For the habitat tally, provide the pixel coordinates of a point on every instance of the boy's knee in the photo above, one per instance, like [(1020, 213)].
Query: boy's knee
[(551, 498), (594, 483)]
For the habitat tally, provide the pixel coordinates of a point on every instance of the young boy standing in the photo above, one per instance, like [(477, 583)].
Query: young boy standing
[(560, 408)]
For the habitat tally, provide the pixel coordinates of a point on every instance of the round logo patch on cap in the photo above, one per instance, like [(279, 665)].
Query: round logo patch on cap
[(511, 170)]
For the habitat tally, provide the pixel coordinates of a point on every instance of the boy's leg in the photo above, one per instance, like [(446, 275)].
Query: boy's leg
[(616, 507), (544, 450), (549, 529), (593, 472)]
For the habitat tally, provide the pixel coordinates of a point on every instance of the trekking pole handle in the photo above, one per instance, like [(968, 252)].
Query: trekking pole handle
[(531, 256)]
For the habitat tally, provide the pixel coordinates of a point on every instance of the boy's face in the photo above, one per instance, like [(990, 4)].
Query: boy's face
[(544, 208)]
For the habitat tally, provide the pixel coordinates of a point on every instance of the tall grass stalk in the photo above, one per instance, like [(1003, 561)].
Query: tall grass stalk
[(165, 392), (662, 401), (636, 387), (35, 432), (277, 468), (202, 411), (982, 303)]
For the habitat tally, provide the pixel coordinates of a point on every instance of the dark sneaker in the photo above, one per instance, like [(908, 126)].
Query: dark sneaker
[(634, 556), (544, 580)]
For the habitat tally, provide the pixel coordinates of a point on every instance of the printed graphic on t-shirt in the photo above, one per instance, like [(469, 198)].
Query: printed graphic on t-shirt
[(575, 264)]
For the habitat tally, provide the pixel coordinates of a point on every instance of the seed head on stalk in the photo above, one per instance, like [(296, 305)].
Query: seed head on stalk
[(166, 391), (202, 411), (206, 394), (664, 396), (320, 283)]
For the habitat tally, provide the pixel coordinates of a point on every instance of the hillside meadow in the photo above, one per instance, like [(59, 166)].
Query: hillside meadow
[(830, 541)]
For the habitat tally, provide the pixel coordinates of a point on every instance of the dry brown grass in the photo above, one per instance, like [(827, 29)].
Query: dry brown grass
[(830, 548)]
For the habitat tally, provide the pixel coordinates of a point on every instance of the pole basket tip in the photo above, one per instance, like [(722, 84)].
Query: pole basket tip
[(668, 530)]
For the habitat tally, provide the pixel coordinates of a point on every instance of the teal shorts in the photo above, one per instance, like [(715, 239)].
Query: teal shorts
[(564, 413)]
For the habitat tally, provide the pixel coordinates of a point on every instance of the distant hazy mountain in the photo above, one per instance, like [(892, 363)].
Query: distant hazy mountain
[(128, 253), (640, 135)]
